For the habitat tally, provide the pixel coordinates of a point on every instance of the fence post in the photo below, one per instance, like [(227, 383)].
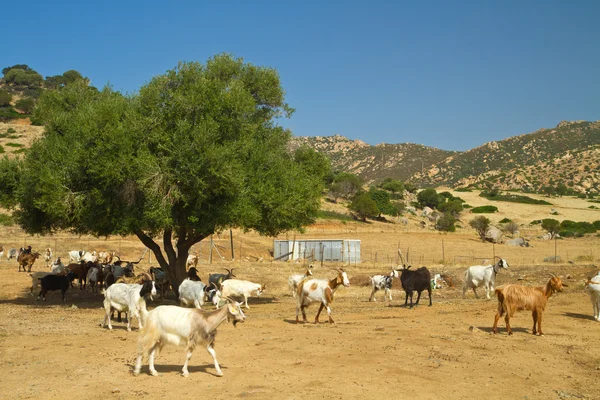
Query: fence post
[(211, 250), (231, 243)]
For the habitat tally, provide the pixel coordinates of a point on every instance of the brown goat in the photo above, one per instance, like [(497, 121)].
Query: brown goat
[(513, 298), (27, 260), (138, 279)]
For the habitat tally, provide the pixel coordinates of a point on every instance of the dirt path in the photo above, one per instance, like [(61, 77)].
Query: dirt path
[(375, 350)]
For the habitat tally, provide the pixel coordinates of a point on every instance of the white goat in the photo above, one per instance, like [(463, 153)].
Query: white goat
[(192, 261), (321, 290), (90, 257), (192, 293), (436, 282), (238, 288), (592, 286), (35, 280), (75, 255), (48, 256), (384, 282), (58, 268), (294, 280), (130, 298), (187, 327), (483, 275)]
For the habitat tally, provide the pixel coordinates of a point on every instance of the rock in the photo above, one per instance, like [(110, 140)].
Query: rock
[(474, 329), (426, 212), (518, 242), (493, 235)]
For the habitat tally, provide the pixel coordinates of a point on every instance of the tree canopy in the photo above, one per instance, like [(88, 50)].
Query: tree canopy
[(197, 151)]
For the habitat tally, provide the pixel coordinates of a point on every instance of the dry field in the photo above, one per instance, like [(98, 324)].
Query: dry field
[(375, 350)]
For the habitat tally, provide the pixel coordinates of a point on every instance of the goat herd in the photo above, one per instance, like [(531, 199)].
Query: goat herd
[(126, 292)]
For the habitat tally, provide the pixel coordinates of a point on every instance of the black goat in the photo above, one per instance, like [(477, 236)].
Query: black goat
[(193, 275), (216, 279), (55, 282), (418, 280)]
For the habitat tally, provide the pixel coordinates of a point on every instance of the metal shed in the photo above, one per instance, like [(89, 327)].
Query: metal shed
[(342, 250)]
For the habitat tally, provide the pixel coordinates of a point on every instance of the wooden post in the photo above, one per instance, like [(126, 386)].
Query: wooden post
[(210, 251), (293, 248), (398, 254), (231, 243), (322, 254), (493, 253)]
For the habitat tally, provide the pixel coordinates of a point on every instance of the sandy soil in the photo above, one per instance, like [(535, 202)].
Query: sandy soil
[(375, 350)]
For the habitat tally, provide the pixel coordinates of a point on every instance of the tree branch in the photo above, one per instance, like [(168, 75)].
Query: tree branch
[(152, 245)]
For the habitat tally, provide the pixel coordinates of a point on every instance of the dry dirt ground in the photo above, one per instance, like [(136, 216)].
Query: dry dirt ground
[(375, 350)]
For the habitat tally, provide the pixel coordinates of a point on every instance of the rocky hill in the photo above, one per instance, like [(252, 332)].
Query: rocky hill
[(568, 154)]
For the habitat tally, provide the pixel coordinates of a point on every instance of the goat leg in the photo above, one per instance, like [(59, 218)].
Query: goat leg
[(319, 313), (507, 320), (496, 318), (418, 298)]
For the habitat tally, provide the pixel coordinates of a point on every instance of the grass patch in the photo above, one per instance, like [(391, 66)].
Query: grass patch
[(464, 190), (467, 206), (588, 258), (484, 210), (334, 215), (16, 145), (505, 220), (513, 198), (23, 150), (2, 149)]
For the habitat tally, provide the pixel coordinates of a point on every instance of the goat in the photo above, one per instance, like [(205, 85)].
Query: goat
[(321, 290), (57, 267), (192, 292), (513, 298), (294, 280), (89, 257), (217, 279), (12, 253), (592, 286), (193, 275), (48, 256), (483, 275), (75, 255), (27, 260), (130, 298), (238, 288), (192, 261), (139, 279), (417, 280), (160, 278), (55, 282), (106, 257), (437, 278), (92, 278), (183, 327), (384, 282), (35, 280), (118, 270), (80, 270)]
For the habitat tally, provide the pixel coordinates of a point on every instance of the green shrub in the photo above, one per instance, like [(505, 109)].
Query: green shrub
[(484, 210), (8, 113), (505, 220), (23, 150), (2, 149), (333, 215), (11, 144), (464, 190), (446, 223), (5, 98), (494, 194), (11, 130), (25, 105), (535, 222), (466, 206)]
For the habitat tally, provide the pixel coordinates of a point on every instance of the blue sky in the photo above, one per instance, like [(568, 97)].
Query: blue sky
[(448, 74)]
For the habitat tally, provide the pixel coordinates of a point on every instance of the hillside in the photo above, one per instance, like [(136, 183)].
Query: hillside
[(565, 154), (375, 163)]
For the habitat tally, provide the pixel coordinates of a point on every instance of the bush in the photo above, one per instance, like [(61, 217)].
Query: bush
[(535, 222), (481, 225), (429, 198), (551, 226), (364, 206), (494, 194), (25, 105), (484, 210), (464, 190), (333, 215), (8, 113), (5, 98), (505, 220), (467, 206), (10, 144), (2, 149), (453, 207), (446, 223)]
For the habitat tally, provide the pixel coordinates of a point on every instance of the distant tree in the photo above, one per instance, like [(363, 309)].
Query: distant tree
[(446, 223), (364, 206), (410, 187), (5, 98), (562, 189), (481, 225), (72, 76), (551, 226), (316, 164), (428, 198), (345, 185), (382, 199), (19, 77), (453, 207), (392, 185), (400, 207), (25, 105), (23, 67)]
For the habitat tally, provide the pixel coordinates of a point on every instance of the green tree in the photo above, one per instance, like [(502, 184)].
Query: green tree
[(364, 206), (23, 67), (410, 187), (551, 226), (5, 98), (481, 225), (197, 151), (428, 198), (382, 199), (314, 163), (25, 105), (453, 207), (392, 185), (562, 189), (446, 223), (23, 78), (345, 185)]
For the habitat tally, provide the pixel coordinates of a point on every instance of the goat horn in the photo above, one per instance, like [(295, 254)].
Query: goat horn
[(552, 275)]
